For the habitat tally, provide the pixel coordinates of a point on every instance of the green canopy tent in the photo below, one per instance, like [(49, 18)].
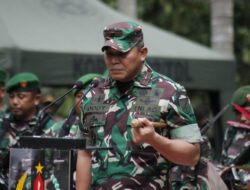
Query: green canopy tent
[(61, 40)]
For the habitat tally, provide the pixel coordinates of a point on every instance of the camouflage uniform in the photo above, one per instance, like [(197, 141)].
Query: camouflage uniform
[(70, 127), (236, 140), (108, 113), (13, 131), (203, 176)]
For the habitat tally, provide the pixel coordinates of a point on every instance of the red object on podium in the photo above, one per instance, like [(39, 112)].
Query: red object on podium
[(38, 183)]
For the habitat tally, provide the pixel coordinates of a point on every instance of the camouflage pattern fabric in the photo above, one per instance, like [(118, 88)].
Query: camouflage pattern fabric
[(204, 176), (206, 149), (122, 36), (235, 142), (107, 114), (72, 131), (75, 131), (72, 125), (14, 132), (74, 128)]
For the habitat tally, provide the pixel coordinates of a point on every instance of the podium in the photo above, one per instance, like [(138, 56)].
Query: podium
[(36, 168), (44, 162), (49, 162)]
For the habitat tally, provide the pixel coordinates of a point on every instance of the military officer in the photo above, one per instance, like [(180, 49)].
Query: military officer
[(122, 113), (70, 128)]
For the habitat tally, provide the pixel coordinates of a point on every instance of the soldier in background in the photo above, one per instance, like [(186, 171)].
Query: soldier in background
[(70, 128), (71, 125), (78, 94), (3, 76), (24, 96), (237, 140)]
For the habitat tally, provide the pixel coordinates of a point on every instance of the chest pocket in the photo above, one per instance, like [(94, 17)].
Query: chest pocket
[(147, 104), (94, 120), (94, 114), (95, 123)]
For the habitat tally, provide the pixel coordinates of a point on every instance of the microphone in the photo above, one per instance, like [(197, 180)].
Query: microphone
[(78, 85), (93, 84), (43, 116), (68, 122)]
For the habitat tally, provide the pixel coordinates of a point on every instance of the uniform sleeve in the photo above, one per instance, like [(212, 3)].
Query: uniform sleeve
[(181, 118)]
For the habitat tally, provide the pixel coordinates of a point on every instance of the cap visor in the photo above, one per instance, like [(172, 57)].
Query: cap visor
[(113, 44)]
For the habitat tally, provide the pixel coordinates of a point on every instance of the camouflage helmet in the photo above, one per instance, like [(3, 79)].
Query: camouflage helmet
[(240, 96), (122, 36), (24, 82)]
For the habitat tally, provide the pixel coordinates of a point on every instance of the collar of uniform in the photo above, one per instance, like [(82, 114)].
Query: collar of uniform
[(142, 80)]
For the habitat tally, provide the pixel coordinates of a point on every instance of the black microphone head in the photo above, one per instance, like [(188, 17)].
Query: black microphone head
[(78, 85), (95, 83)]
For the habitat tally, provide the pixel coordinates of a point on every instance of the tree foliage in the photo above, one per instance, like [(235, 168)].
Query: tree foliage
[(242, 40), (191, 19)]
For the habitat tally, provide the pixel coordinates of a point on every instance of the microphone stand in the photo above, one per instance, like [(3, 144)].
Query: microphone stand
[(57, 100), (68, 122), (44, 116), (210, 123)]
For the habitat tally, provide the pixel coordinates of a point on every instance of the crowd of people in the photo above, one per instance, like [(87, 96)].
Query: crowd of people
[(141, 122)]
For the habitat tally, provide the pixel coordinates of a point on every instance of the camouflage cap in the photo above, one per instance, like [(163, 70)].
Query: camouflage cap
[(86, 80), (3, 76), (240, 96), (23, 82), (122, 36)]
